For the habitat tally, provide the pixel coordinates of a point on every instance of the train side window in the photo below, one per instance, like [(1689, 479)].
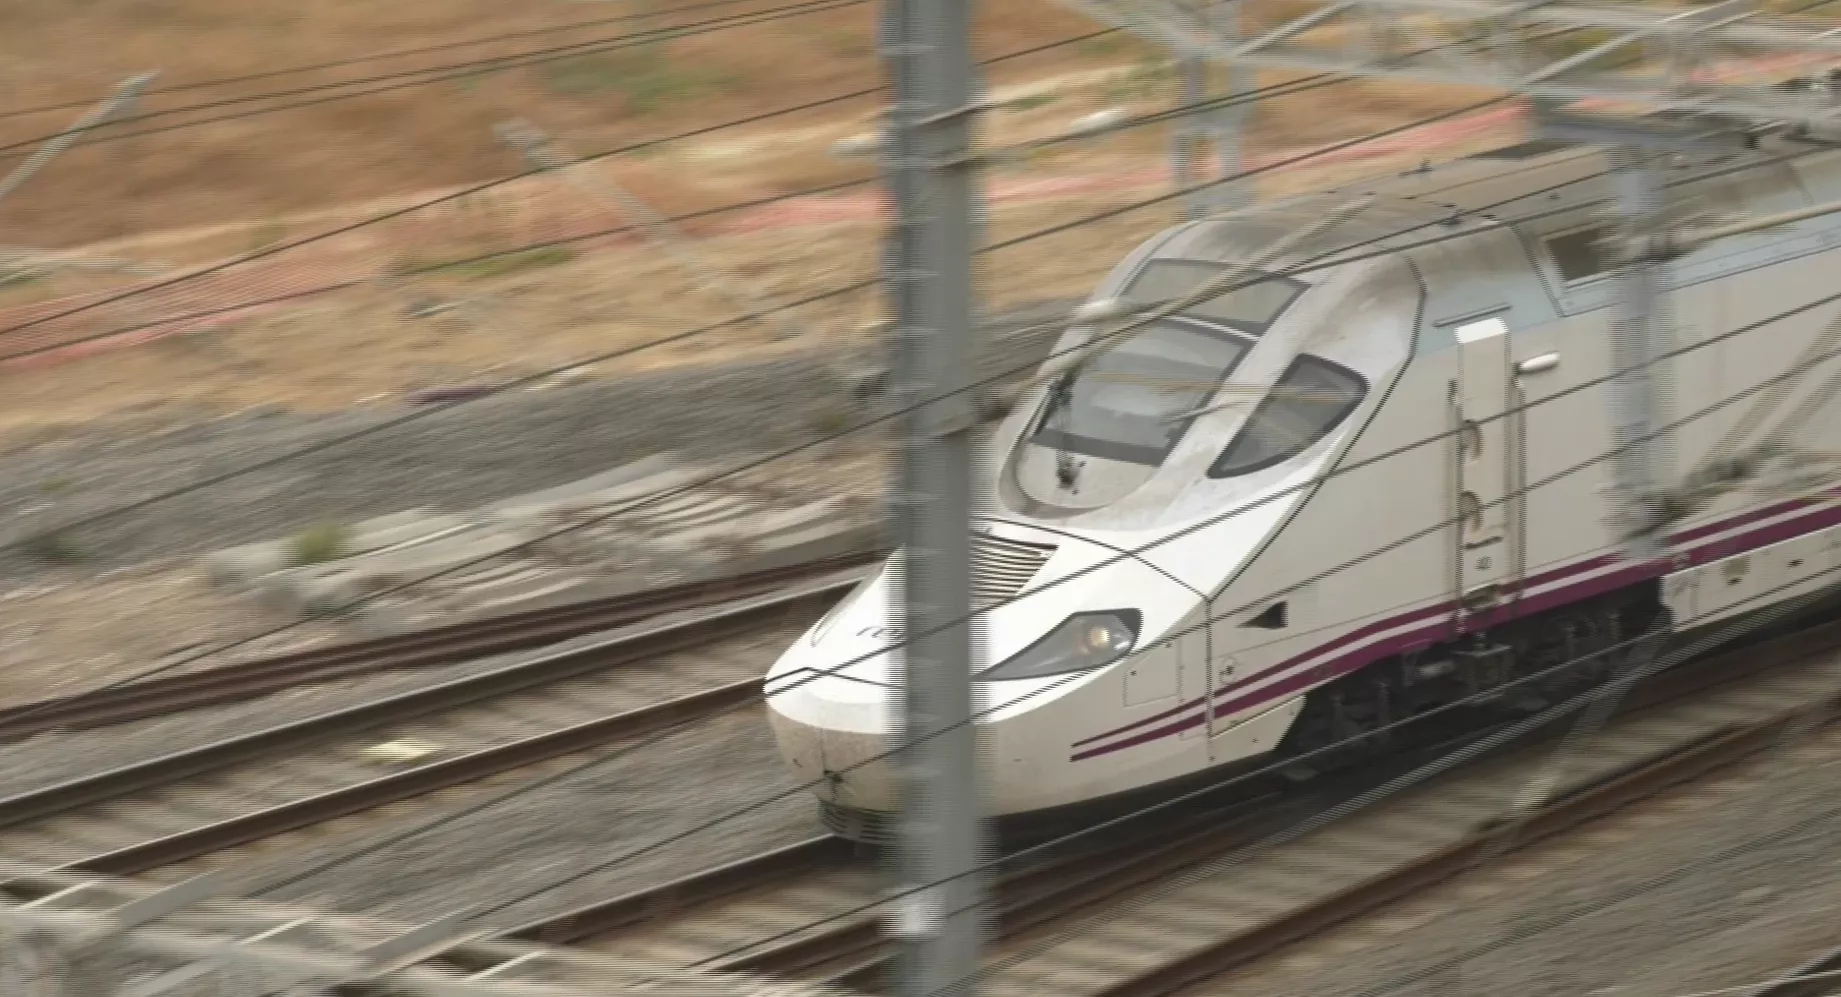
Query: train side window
[(1273, 617), (1578, 254), (1311, 399)]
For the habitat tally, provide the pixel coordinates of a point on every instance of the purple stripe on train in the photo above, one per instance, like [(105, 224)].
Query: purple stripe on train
[(1436, 618)]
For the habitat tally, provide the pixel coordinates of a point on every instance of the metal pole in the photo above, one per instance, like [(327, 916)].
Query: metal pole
[(1230, 121), (1633, 335), (1190, 131), (125, 94), (930, 167)]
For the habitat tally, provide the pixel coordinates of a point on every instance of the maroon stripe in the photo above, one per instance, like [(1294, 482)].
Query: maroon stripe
[(1159, 734), (1143, 721), (1746, 519), (1438, 611), (1435, 610), (1404, 642), (1306, 678), (1817, 519)]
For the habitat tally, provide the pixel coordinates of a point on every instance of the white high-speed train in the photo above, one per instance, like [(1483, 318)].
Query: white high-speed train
[(1329, 500)]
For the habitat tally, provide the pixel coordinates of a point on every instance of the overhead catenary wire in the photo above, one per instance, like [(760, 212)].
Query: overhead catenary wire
[(1469, 752), (814, 674), (185, 660), (530, 379), (757, 804), (385, 56), (1395, 249), (481, 187), (1281, 89), (445, 74), (1277, 90), (490, 801), (409, 417)]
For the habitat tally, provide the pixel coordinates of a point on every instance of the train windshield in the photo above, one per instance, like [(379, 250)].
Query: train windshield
[(1127, 402), (1249, 306), (1130, 401), (1312, 398)]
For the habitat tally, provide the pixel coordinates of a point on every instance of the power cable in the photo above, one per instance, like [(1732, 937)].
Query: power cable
[(476, 189), (1542, 401), (816, 673), (1309, 83), (386, 56), (1158, 117), (413, 416), (603, 760), (1389, 251), (410, 417), (1468, 753), (776, 456), (461, 70), (1535, 927)]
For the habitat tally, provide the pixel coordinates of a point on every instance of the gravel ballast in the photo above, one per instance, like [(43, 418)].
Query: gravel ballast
[(480, 451)]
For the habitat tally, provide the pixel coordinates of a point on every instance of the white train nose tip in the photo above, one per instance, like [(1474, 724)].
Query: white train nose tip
[(846, 768)]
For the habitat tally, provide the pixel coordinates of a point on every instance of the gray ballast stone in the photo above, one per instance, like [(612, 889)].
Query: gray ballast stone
[(517, 587), (657, 465), (321, 588), (602, 493), (242, 566), (649, 523)]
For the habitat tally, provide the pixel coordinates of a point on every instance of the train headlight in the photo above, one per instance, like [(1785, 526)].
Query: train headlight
[(1083, 642)]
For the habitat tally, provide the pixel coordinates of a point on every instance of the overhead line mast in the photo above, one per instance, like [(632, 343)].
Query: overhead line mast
[(1668, 67)]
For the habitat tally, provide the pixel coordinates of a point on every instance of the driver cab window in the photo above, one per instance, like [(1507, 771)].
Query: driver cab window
[(1311, 399), (1135, 398)]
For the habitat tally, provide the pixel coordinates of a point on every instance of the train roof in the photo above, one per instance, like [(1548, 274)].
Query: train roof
[(1534, 187)]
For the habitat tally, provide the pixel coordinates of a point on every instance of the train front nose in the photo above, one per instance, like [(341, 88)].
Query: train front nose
[(831, 716)]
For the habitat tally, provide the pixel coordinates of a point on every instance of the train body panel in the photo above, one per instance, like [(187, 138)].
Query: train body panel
[(1370, 480)]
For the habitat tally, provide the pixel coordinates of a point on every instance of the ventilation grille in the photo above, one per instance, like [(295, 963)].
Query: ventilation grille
[(1000, 570)]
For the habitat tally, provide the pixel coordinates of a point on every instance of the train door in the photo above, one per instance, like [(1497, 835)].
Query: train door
[(1482, 554), (1196, 670)]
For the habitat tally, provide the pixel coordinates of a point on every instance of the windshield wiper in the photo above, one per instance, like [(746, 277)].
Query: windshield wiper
[(1060, 395)]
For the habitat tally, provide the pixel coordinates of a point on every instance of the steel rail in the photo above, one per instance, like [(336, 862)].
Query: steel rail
[(1669, 765), (685, 892), (853, 937), (852, 952), (641, 643), (422, 649), (418, 781), (1818, 977)]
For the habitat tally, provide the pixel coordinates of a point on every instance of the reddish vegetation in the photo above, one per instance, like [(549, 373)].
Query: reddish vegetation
[(73, 51)]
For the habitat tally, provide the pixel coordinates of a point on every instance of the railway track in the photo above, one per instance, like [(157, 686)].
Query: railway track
[(1817, 977), (199, 802), (1181, 898), (422, 649), (797, 911)]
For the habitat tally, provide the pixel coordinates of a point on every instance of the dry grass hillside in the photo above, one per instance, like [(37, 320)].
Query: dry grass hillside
[(411, 137), (431, 124)]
